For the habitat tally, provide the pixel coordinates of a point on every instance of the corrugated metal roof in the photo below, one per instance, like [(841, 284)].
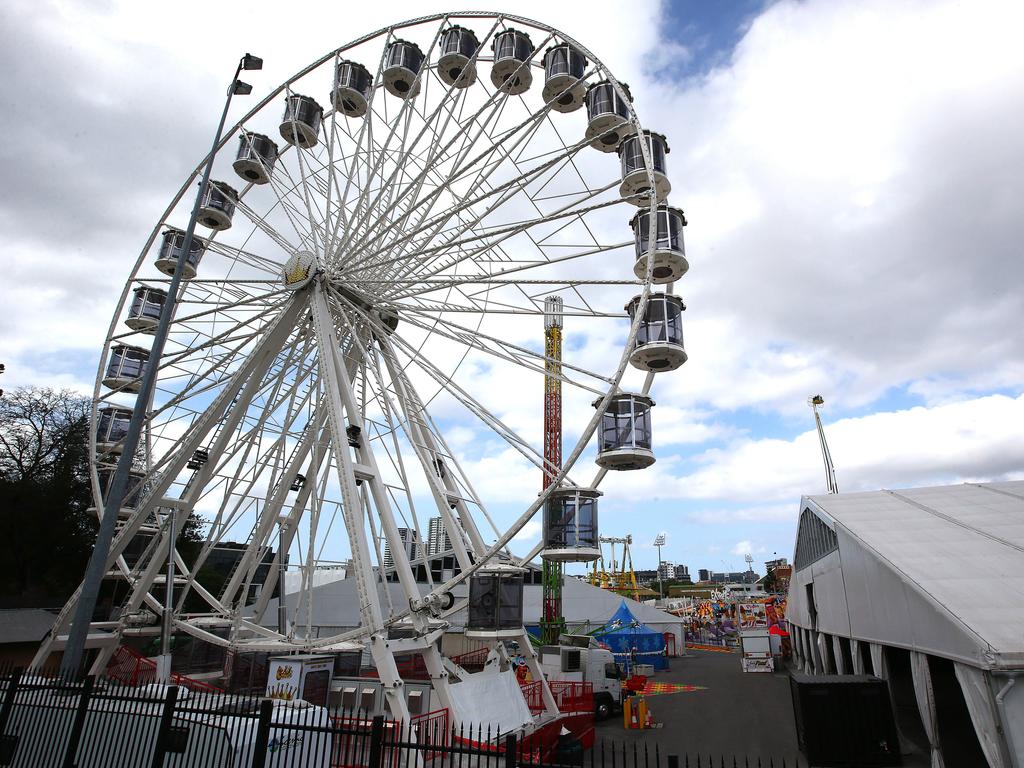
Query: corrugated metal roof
[(961, 546), (25, 625)]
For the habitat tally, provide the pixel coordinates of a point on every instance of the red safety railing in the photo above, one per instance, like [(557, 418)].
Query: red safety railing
[(130, 667), (570, 697), (472, 661), (432, 731)]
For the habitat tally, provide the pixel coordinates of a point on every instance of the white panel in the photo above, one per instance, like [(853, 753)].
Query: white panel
[(490, 700)]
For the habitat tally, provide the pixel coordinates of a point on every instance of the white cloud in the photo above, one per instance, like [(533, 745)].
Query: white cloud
[(743, 547)]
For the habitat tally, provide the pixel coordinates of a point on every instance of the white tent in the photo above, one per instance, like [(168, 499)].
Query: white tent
[(335, 608), (936, 573)]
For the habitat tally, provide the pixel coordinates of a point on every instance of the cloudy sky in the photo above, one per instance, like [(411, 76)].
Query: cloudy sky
[(851, 172)]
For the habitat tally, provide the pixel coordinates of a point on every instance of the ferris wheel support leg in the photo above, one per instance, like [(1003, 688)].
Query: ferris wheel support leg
[(244, 384), (271, 512)]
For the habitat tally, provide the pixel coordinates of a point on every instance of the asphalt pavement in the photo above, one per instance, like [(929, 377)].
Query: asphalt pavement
[(741, 715)]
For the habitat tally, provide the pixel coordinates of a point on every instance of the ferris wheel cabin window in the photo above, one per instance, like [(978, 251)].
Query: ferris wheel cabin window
[(111, 428), (625, 433), (570, 525), (300, 125), (125, 367), (352, 86), (171, 248), (669, 251), (402, 64), (144, 312), (564, 86), (608, 115), (635, 185), (256, 157), (217, 206), (511, 69), (495, 604), (659, 337), (458, 47)]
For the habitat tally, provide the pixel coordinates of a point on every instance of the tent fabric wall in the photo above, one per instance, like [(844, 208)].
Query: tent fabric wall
[(837, 651), (858, 660), (822, 663), (624, 632), (925, 696), (980, 705)]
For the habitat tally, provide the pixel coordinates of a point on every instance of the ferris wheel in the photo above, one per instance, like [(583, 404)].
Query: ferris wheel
[(383, 236)]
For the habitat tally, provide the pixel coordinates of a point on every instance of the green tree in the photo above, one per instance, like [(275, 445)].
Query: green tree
[(46, 532)]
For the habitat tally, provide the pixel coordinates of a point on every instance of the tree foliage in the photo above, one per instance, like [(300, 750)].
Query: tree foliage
[(46, 532)]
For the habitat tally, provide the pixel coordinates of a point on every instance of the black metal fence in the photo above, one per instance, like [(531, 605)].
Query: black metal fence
[(50, 722)]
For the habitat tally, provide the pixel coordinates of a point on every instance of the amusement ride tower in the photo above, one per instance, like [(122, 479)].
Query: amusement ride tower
[(552, 623)]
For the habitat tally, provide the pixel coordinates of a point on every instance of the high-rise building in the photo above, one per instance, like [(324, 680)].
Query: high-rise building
[(666, 570), (682, 573), (408, 537), (704, 574), (438, 540)]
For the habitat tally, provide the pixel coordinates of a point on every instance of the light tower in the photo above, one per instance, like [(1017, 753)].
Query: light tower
[(659, 542), (830, 470), (552, 623)]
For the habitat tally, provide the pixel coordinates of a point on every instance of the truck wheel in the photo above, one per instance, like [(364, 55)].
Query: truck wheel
[(602, 710)]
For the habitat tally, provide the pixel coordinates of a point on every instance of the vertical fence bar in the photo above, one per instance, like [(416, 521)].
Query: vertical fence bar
[(12, 689), (511, 745), (79, 722), (7, 743), (376, 741), (259, 750), (162, 734)]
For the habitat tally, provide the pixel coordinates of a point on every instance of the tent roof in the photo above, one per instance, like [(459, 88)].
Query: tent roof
[(627, 623), (960, 548), (336, 605)]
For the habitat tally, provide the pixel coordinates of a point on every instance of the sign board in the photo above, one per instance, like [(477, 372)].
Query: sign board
[(752, 615), (305, 677)]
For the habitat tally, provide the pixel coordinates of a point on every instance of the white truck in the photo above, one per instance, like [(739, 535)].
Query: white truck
[(579, 658)]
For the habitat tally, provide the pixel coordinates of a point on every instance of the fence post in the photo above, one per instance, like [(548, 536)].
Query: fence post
[(673, 761), (166, 717), (79, 723), (511, 746), (259, 750), (376, 742)]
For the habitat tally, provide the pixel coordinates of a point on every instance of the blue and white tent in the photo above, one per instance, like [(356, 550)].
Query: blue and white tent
[(623, 632)]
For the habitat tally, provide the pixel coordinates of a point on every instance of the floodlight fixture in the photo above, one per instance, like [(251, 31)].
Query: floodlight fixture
[(252, 62), (238, 88)]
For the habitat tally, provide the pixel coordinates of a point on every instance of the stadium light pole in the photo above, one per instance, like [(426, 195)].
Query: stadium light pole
[(659, 542), (74, 649)]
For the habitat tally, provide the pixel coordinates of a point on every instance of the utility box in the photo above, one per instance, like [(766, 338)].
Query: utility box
[(305, 676), (844, 721), (756, 646)]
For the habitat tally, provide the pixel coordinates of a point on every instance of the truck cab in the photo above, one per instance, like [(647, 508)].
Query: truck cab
[(579, 658)]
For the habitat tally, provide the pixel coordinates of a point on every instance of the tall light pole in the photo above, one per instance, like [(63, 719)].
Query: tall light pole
[(659, 542), (71, 662), (830, 470)]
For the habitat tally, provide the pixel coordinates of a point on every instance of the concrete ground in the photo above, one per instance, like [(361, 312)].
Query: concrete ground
[(741, 715), (746, 715)]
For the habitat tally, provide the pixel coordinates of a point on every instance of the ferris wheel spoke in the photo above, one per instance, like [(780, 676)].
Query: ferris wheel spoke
[(507, 351), (432, 227), (470, 403), (496, 105)]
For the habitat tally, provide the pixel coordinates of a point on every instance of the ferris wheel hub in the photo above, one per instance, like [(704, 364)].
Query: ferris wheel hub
[(299, 270)]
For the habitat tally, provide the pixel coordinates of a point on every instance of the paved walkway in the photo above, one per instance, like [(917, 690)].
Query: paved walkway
[(746, 715)]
